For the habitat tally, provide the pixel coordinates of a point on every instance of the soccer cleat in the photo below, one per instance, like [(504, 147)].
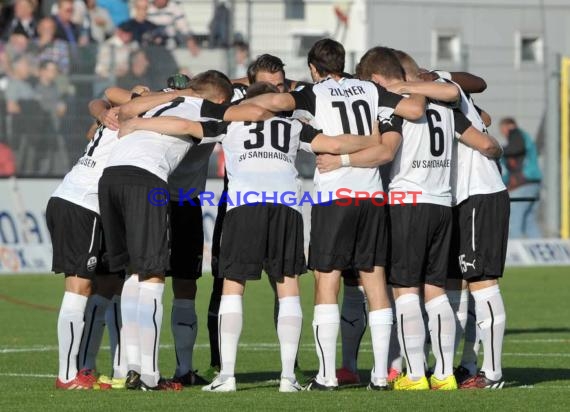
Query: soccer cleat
[(227, 384), (480, 381), (404, 383), (393, 375), (133, 380), (289, 385), (378, 384), (82, 381), (163, 385), (212, 373), (462, 374), (105, 383), (314, 385), (190, 379), (447, 384), (347, 377)]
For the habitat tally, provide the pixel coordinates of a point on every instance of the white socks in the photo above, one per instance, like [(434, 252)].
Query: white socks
[(150, 322), (69, 330), (353, 320), (289, 323), (230, 322), (326, 323), (380, 329), (129, 316), (94, 319), (459, 300), (184, 325), (442, 330), (116, 343), (411, 333), (491, 320)]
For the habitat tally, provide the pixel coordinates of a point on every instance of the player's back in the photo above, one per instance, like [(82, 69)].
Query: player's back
[(344, 106), (159, 154), (423, 161), (80, 183)]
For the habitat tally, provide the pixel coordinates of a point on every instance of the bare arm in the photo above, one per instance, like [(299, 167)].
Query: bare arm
[(274, 102), (143, 104), (102, 111), (371, 157), (469, 82), (445, 92), (247, 112), (411, 108), (345, 143), (483, 143), (170, 125), (91, 132)]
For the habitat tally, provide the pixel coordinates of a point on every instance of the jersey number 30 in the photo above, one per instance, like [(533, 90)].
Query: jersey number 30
[(280, 135)]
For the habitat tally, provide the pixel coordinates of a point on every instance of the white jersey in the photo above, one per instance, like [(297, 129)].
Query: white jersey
[(473, 173), (260, 159), (423, 161), (346, 106), (80, 184), (157, 153)]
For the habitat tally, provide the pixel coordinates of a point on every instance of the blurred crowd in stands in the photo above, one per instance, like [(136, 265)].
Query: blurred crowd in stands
[(56, 55)]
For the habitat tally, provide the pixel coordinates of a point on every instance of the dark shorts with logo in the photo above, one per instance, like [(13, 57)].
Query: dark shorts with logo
[(75, 237)]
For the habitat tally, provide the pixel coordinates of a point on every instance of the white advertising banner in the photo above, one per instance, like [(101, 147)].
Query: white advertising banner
[(25, 245)]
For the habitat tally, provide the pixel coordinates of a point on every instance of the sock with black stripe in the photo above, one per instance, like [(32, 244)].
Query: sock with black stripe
[(442, 331), (69, 330), (411, 333), (491, 319), (326, 323), (116, 340), (149, 316), (93, 331)]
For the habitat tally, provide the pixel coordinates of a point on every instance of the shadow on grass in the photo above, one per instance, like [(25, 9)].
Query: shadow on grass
[(533, 376), (536, 330)]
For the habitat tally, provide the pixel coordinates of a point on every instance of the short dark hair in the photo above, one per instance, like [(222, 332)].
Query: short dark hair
[(327, 55), (508, 121), (264, 63), (258, 88), (213, 82), (380, 60)]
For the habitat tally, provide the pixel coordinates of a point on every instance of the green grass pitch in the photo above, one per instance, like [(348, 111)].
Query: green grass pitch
[(536, 356)]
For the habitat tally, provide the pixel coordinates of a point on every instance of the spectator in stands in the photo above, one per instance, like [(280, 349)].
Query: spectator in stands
[(171, 17), (79, 12), (113, 57), (143, 30), (219, 27), (241, 59), (23, 21), (7, 161), (48, 48), (138, 72), (67, 30), (99, 21), (522, 175), (118, 9), (17, 46), (19, 87), (48, 93)]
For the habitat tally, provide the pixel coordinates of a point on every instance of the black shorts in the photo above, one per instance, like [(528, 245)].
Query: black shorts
[(453, 269), (262, 237), (482, 232), (187, 246), (420, 244), (137, 231), (75, 237), (345, 237)]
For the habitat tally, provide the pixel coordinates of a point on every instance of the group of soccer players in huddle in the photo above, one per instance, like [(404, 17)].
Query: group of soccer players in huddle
[(410, 268)]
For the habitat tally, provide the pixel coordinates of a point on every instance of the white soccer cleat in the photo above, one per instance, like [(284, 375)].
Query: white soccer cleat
[(287, 385), (227, 384)]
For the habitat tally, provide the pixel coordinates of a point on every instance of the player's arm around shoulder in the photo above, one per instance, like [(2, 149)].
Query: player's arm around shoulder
[(169, 125), (441, 91), (142, 104), (477, 140), (345, 143), (274, 102)]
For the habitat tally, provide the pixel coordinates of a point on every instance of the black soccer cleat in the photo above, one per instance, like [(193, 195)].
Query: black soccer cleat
[(462, 374), (480, 381), (378, 386), (163, 385), (133, 380), (190, 379), (313, 385)]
